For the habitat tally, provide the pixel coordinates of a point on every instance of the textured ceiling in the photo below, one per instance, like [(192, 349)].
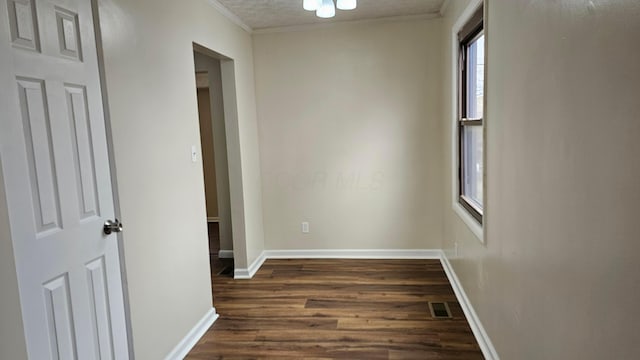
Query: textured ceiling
[(262, 14)]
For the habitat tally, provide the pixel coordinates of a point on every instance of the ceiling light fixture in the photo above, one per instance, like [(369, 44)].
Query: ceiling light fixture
[(346, 4), (310, 5), (326, 8)]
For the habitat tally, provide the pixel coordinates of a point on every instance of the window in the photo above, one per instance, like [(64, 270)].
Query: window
[(471, 91)]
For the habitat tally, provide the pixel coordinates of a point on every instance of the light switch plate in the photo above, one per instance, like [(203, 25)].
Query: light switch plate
[(194, 154)]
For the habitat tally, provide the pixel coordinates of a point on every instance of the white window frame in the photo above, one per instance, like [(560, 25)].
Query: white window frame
[(476, 228)]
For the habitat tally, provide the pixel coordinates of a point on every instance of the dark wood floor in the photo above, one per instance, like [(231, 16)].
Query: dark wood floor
[(219, 267), (214, 237), (337, 309)]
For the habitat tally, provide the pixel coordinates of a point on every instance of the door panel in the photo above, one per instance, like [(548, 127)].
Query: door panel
[(96, 272), (59, 318), (42, 176), (58, 183), (22, 19), (82, 143)]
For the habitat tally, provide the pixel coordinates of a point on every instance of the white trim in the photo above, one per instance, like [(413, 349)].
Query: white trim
[(480, 334), (245, 274), (193, 336), (473, 225), (469, 220), (214, 219), (324, 25), (242, 273), (112, 167), (229, 15), (444, 7), (353, 254), (225, 254)]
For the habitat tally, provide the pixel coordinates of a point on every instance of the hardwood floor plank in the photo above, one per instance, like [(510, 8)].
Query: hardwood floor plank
[(292, 324), (410, 306), (331, 313), (382, 339), (402, 324)]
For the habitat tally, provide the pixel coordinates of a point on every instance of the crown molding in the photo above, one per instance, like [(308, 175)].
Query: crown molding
[(229, 15), (444, 7), (307, 27)]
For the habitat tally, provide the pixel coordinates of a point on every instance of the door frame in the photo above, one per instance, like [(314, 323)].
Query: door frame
[(208, 77), (95, 7), (234, 159)]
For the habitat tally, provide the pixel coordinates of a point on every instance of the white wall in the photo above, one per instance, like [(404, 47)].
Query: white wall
[(149, 65), (559, 277), (350, 136), (373, 100)]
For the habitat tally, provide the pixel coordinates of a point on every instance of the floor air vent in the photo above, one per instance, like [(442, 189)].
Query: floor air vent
[(440, 310)]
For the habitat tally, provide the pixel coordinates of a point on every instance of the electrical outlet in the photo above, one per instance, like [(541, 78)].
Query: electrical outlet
[(305, 227)]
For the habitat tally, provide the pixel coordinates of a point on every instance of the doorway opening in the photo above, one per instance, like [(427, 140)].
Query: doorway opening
[(215, 160)]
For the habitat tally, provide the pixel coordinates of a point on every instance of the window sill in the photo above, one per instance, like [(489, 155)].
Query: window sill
[(470, 221)]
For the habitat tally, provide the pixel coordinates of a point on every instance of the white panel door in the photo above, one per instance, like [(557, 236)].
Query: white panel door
[(53, 152)]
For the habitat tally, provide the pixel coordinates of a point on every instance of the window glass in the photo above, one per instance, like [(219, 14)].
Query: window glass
[(472, 145), (471, 98), (475, 78)]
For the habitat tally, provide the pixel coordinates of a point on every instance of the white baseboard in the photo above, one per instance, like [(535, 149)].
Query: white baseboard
[(225, 254), (353, 254), (241, 273), (480, 334), (244, 274), (191, 339)]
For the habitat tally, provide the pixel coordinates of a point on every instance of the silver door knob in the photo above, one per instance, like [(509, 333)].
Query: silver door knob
[(112, 226)]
